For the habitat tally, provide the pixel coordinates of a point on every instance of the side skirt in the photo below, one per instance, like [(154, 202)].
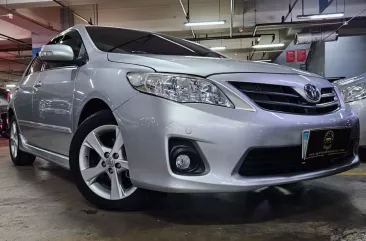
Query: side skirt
[(55, 158)]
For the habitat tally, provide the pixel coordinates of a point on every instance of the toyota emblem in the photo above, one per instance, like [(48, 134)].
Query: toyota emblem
[(312, 93)]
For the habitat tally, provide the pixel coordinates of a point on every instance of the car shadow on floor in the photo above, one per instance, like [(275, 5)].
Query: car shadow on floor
[(298, 202)]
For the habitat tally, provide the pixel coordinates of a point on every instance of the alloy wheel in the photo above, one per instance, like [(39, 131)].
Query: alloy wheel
[(103, 163), (14, 141)]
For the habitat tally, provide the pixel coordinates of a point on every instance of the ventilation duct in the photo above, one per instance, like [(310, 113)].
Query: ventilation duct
[(307, 38)]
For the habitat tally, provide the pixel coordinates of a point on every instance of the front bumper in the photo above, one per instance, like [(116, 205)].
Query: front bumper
[(223, 135)]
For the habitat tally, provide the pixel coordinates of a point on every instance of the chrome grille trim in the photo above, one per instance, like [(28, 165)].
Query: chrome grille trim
[(297, 105), (328, 95), (286, 99), (271, 93)]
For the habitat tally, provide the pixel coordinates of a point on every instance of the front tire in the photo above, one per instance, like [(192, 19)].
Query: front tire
[(98, 162), (19, 158)]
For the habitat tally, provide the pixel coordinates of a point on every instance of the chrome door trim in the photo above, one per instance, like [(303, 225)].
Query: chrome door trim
[(55, 158), (45, 126)]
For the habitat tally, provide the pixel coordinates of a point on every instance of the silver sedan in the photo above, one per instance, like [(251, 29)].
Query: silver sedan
[(129, 111), (354, 94)]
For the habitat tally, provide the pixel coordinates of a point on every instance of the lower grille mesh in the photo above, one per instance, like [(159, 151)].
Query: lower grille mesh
[(286, 160)]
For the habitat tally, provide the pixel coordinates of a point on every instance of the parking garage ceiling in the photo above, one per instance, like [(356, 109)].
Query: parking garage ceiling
[(247, 22)]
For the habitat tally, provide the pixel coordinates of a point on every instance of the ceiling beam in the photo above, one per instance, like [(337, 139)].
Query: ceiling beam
[(26, 22)]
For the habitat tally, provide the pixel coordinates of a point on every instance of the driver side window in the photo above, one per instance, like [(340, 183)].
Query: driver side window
[(73, 39), (35, 66)]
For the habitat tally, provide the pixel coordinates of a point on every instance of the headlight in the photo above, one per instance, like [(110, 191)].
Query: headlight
[(354, 92), (180, 88)]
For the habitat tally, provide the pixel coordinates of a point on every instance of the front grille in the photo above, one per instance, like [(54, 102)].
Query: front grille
[(287, 160), (286, 99)]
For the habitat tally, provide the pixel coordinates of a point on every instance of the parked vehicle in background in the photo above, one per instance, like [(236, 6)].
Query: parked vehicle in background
[(354, 93), (4, 130), (128, 111)]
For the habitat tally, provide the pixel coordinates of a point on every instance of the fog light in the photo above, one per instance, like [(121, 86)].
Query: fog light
[(184, 158), (183, 162)]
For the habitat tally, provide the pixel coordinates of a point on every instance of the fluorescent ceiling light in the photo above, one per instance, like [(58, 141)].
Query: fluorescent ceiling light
[(10, 85), (321, 16), (261, 46), (190, 24), (218, 48), (263, 60)]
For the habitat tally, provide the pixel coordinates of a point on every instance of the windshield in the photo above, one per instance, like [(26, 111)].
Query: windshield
[(117, 40)]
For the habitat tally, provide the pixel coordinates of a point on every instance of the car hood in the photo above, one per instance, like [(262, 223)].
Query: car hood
[(202, 66)]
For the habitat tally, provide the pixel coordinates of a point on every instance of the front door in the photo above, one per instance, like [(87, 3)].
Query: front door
[(53, 99), (24, 99), (52, 109)]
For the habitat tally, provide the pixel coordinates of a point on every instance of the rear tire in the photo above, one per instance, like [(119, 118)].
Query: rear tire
[(96, 174), (19, 157)]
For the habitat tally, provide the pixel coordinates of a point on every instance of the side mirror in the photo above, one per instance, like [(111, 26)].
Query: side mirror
[(56, 53)]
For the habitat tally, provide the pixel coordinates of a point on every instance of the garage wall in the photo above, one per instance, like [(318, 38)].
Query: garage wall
[(317, 62), (281, 59), (345, 57)]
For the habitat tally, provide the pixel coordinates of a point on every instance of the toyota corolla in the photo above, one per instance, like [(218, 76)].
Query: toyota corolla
[(129, 111), (353, 90)]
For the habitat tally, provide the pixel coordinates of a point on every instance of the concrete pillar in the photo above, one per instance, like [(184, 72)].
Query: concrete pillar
[(66, 19), (38, 40)]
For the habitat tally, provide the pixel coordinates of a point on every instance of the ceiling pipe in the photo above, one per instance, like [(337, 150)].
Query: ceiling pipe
[(298, 24), (13, 61), (225, 37), (186, 15), (17, 41), (231, 17), (73, 12), (16, 57), (11, 73), (22, 20), (307, 38)]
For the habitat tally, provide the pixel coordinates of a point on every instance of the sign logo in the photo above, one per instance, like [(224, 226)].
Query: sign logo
[(328, 140), (312, 93)]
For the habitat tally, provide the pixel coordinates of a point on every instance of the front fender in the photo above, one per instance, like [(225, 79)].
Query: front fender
[(106, 81)]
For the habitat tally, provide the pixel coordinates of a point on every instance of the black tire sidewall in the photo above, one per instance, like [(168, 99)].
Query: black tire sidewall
[(22, 157), (135, 201), (11, 154)]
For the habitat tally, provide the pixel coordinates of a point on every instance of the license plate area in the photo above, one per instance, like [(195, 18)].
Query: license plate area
[(325, 142)]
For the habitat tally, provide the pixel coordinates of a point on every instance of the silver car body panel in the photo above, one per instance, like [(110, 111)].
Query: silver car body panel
[(50, 156), (224, 135), (359, 106), (208, 66)]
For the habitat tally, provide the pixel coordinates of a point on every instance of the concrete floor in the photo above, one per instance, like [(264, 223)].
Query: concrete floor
[(42, 203)]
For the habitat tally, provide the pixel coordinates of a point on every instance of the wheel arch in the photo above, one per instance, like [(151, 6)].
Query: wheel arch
[(91, 107)]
